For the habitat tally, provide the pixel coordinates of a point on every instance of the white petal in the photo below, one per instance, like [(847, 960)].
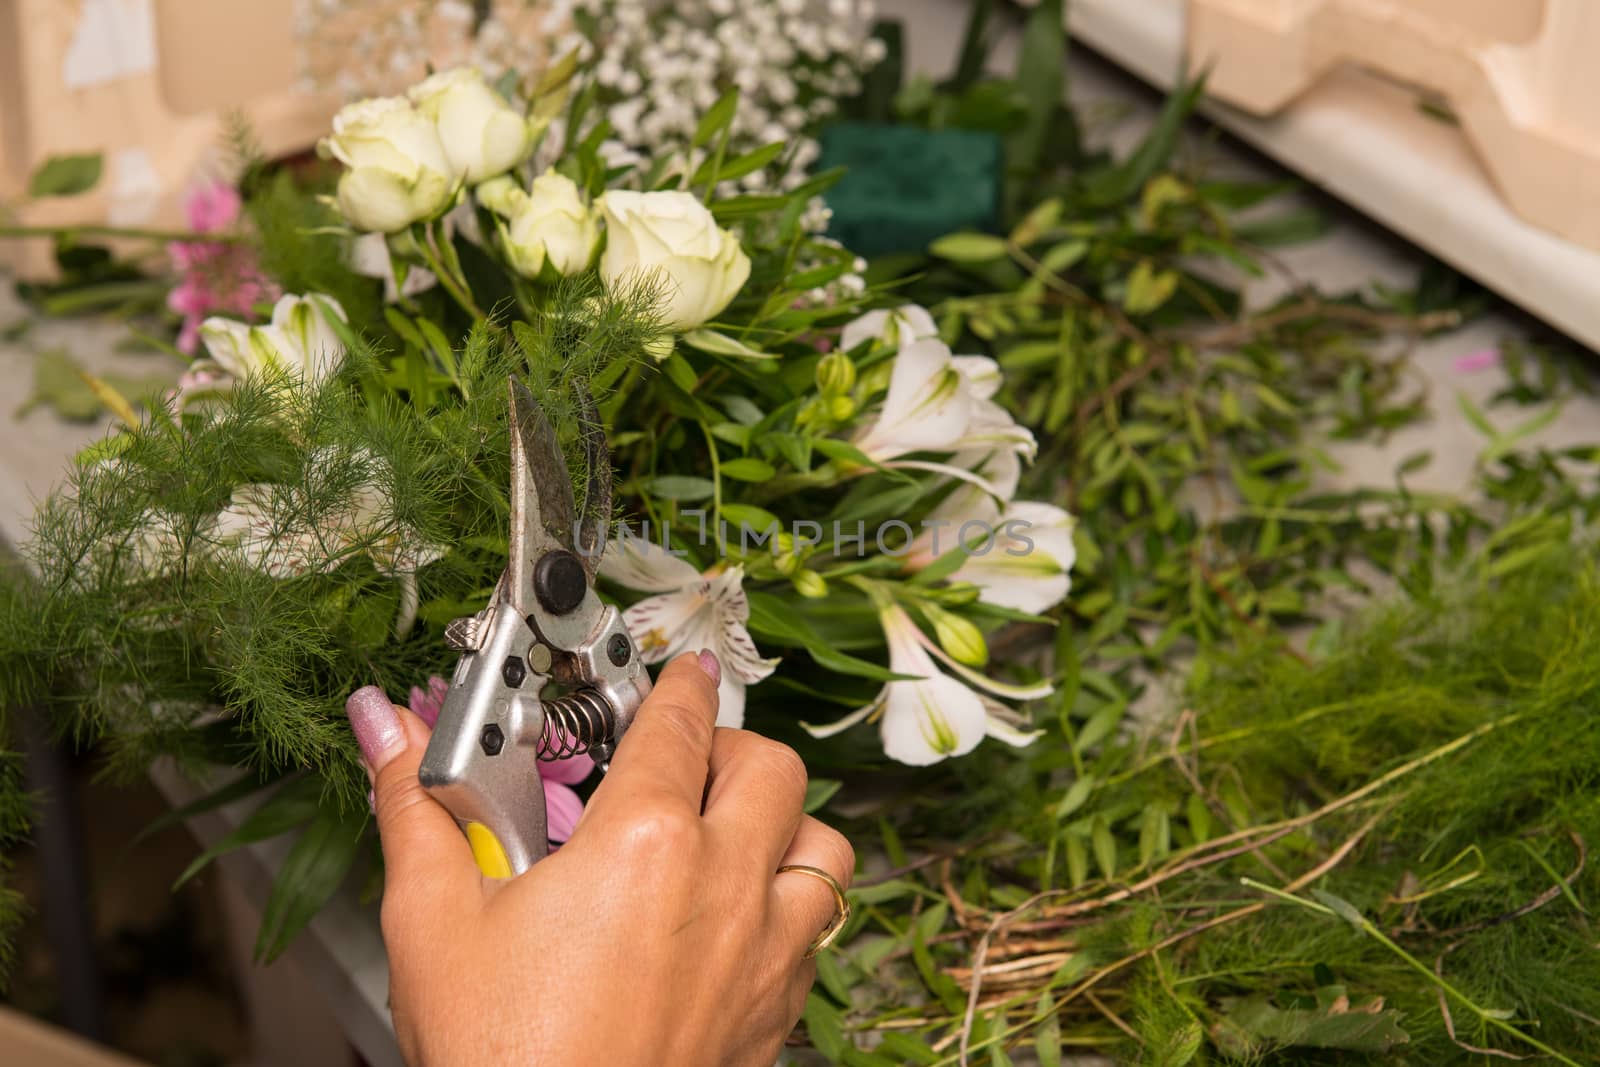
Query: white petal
[(931, 719), (646, 566), (1027, 567), (1001, 725), (927, 407), (730, 702), (982, 374), (841, 725), (660, 624), (1036, 691), (914, 323), (731, 639), (949, 471)]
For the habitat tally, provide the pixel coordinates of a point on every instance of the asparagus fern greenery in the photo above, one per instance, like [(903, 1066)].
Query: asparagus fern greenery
[(1187, 812)]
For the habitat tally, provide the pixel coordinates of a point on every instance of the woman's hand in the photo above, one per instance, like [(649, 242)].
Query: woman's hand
[(659, 934)]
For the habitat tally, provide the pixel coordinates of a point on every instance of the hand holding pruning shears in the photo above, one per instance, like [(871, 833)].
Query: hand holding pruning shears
[(677, 924)]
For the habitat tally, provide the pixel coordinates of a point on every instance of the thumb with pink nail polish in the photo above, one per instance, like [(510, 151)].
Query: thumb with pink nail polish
[(377, 726)]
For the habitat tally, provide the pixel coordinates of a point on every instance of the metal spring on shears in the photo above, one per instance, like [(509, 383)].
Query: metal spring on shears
[(575, 723)]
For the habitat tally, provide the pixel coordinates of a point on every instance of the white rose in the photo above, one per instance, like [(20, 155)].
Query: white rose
[(500, 194), (398, 173), (481, 133), (550, 222), (674, 236), (298, 341)]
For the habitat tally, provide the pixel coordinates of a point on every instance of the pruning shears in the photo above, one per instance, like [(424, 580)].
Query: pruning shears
[(544, 624)]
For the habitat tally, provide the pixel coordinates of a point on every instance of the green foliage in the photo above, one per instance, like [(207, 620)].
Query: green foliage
[(68, 175), (145, 627), (1438, 769)]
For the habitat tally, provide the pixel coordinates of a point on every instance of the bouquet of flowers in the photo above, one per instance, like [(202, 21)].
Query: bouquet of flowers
[(823, 494), (842, 493)]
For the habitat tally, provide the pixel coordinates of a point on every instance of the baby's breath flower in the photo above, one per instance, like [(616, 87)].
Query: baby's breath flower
[(663, 66)]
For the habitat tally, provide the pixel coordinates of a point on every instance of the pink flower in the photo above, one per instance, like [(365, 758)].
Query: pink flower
[(561, 803), (216, 276), (1473, 362)]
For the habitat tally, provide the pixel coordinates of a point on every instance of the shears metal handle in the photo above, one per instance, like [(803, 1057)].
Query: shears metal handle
[(544, 624)]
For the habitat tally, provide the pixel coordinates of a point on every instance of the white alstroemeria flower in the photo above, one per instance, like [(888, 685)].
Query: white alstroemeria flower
[(928, 407), (299, 341), (897, 328), (691, 611), (273, 529), (992, 428), (482, 134), (931, 715), (931, 406), (1023, 554), (398, 171)]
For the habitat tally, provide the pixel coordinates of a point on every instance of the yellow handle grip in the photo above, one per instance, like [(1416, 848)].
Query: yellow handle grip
[(488, 851)]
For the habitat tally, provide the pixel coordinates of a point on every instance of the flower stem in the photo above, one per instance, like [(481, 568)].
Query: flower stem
[(454, 285), (716, 488), (409, 602), (134, 233), (1365, 926)]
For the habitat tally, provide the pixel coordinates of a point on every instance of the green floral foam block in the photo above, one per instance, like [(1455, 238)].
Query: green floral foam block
[(906, 186)]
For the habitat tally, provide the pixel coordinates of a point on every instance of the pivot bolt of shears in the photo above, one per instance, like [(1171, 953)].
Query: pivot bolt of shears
[(618, 650), (514, 672), (560, 582), (492, 740)]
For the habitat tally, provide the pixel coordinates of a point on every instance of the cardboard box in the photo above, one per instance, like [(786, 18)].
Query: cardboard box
[(26, 1040), (1519, 75)]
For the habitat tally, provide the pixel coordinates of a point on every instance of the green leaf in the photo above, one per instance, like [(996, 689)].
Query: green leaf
[(680, 373), (66, 175), (1047, 1038), (743, 207), (1178, 1048), (1041, 74), (819, 791), (681, 487), (1075, 797), (844, 451), (294, 804), (833, 977), (1155, 833), (1077, 859), (974, 47), (310, 875), (1290, 227), (235, 790), (1105, 846), (1063, 255), (904, 1048), (738, 166), (721, 344), (969, 247), (1342, 908), (1119, 182), (58, 383), (1253, 1027), (742, 410), (748, 469), (717, 118), (1100, 725), (750, 517), (772, 618), (825, 1026), (1148, 288)]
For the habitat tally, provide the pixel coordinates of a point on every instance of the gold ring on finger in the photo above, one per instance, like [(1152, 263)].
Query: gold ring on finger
[(841, 907)]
